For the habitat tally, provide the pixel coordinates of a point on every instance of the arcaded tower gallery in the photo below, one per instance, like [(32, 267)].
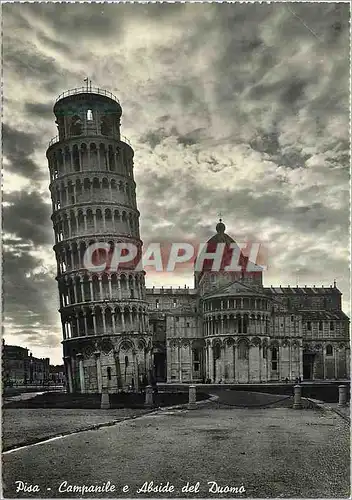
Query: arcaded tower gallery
[(106, 339)]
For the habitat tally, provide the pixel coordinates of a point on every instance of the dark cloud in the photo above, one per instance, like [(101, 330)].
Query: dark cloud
[(18, 147), (27, 62), (27, 216), (28, 298), (43, 110)]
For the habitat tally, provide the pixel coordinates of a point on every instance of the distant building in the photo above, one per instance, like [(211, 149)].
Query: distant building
[(57, 375), (19, 367)]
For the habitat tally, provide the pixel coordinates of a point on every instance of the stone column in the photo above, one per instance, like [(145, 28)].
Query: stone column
[(235, 357), (104, 320), (101, 288), (82, 289), (324, 362), (81, 372), (85, 323), (342, 395), (94, 323), (297, 402), (301, 362), (180, 361), (206, 363), (260, 361), (168, 362), (123, 320), (336, 353), (99, 376), (77, 325), (91, 289), (118, 371), (233, 362), (192, 397), (135, 370), (105, 401), (130, 319), (211, 363), (191, 362), (222, 361), (149, 396), (69, 373), (289, 360), (119, 288)]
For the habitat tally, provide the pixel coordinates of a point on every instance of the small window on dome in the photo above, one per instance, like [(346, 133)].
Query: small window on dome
[(89, 115)]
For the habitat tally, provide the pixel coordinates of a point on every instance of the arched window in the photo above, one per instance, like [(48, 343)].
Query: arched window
[(329, 350), (89, 115), (76, 125), (217, 351), (75, 158), (243, 350), (332, 326), (320, 325), (108, 370)]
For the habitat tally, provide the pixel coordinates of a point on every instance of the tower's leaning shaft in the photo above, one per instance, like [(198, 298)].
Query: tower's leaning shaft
[(106, 338)]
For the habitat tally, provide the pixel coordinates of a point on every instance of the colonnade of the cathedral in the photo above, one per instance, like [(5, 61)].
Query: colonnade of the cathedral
[(247, 303), (222, 324), (234, 360)]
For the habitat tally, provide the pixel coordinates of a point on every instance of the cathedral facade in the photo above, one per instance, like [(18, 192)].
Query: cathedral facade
[(232, 329), (117, 333)]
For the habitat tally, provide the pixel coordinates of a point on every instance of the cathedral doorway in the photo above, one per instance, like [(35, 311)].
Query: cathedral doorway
[(308, 364), (160, 365)]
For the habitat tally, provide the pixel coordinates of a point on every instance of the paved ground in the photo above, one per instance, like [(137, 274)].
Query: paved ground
[(277, 452), (23, 426), (344, 410)]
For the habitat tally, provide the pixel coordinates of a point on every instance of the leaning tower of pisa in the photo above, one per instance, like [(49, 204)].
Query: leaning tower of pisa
[(106, 335)]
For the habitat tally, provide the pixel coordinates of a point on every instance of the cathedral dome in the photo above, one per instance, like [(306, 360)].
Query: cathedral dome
[(211, 246), (219, 237)]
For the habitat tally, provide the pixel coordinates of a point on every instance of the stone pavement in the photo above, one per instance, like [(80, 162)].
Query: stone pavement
[(276, 452), (25, 426), (342, 410)]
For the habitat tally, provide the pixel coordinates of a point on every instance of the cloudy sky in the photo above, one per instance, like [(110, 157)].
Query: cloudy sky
[(234, 108)]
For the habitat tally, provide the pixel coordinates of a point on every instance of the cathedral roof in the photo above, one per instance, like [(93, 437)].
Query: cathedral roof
[(278, 290), (322, 315), (235, 288)]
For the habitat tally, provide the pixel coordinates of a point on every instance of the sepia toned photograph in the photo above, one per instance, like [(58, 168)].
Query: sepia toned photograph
[(175, 249)]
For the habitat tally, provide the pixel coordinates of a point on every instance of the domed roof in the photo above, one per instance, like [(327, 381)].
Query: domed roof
[(220, 236), (211, 247)]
